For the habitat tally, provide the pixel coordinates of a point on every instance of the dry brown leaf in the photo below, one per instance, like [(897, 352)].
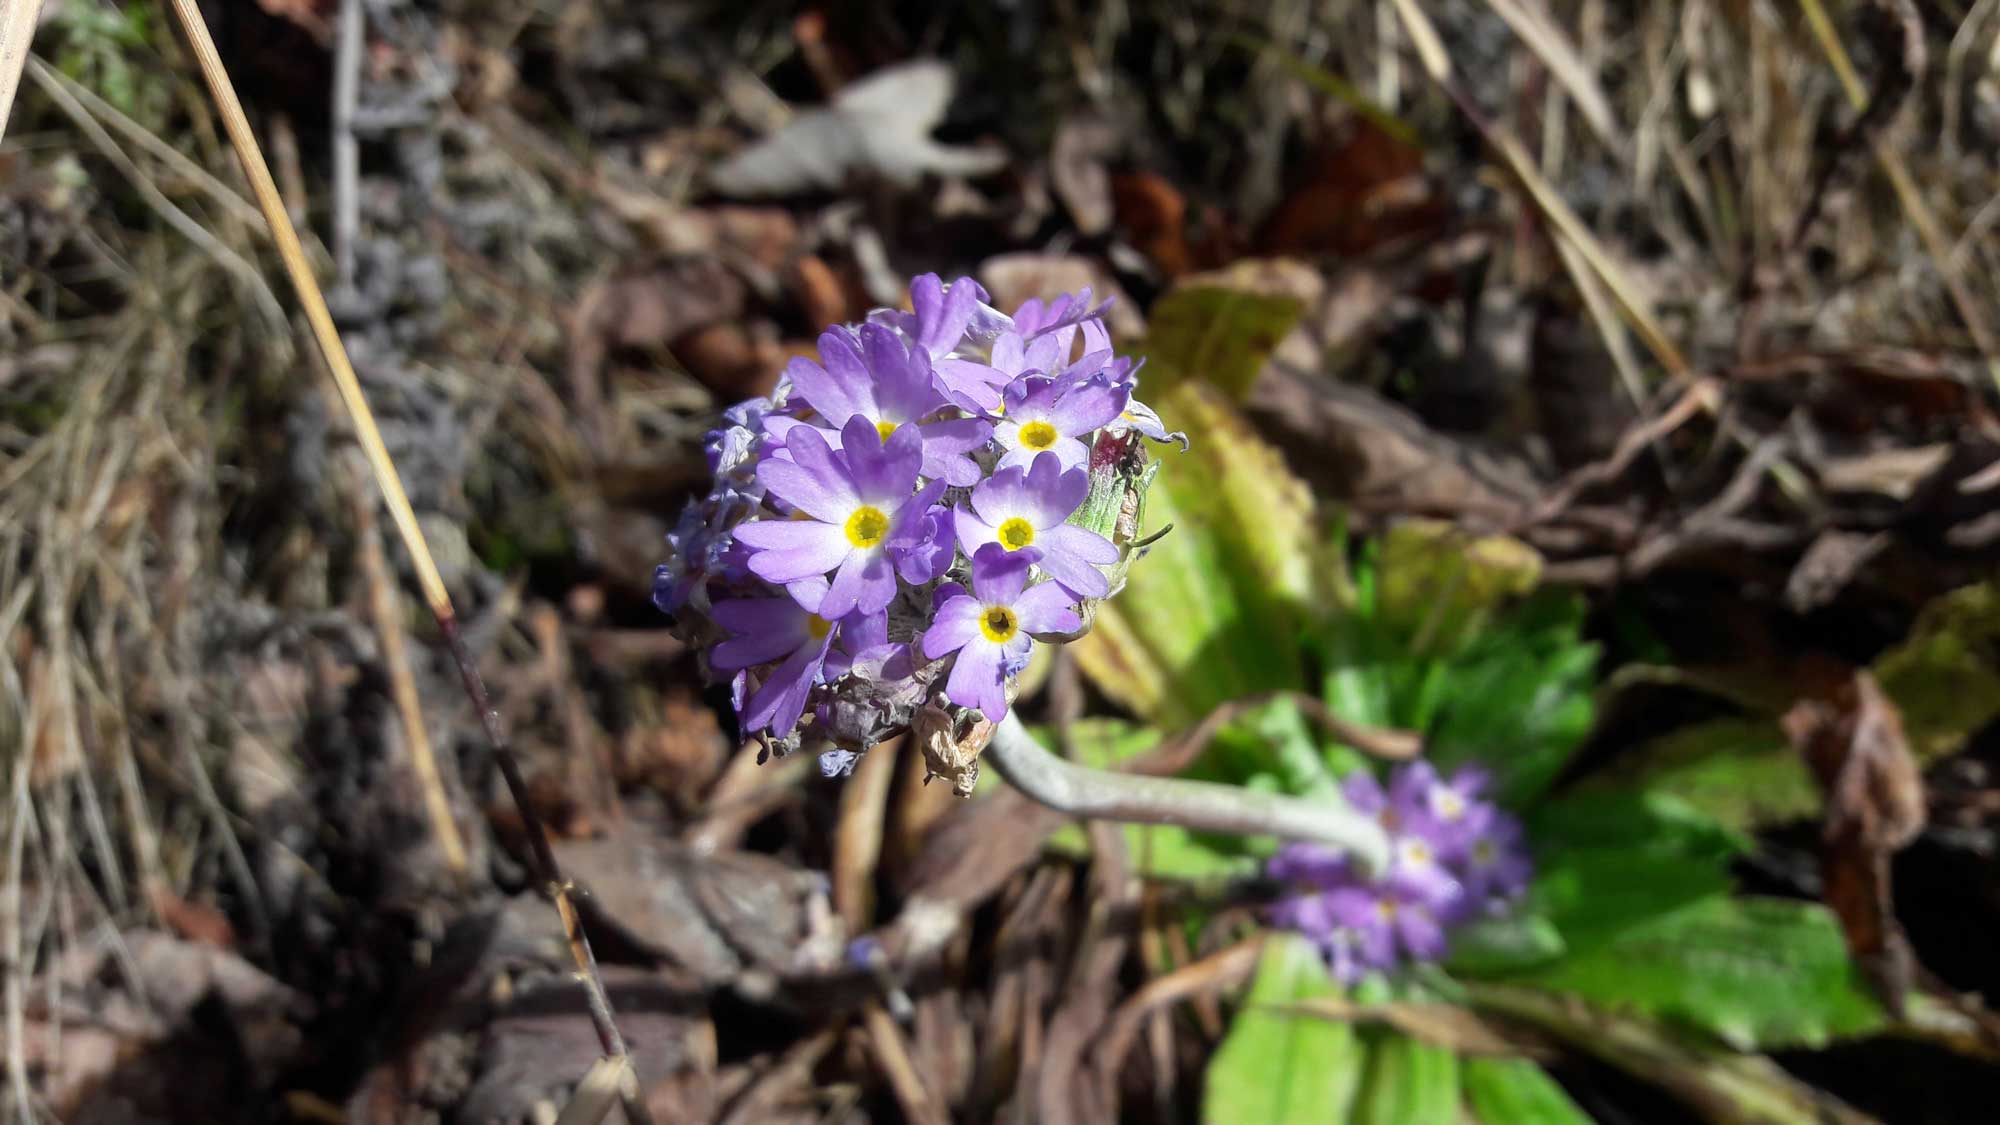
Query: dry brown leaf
[(1365, 190), (1153, 214), (1851, 735)]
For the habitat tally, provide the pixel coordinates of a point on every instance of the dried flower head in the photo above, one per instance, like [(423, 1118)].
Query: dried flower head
[(1453, 858), (901, 521)]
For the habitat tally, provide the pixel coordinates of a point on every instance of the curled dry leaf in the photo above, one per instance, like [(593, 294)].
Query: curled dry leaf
[(1851, 736), (949, 753)]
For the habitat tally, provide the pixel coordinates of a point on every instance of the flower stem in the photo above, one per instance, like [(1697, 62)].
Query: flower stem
[(1204, 806)]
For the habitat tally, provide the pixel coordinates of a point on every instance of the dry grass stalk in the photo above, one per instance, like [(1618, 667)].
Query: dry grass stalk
[(244, 141), (17, 30)]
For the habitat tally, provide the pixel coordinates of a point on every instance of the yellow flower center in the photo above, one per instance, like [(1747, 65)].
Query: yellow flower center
[(1386, 908), (999, 624), (867, 527), (817, 627), (1038, 435), (1016, 533), (1417, 852), (884, 429), (1449, 805), (1483, 853)]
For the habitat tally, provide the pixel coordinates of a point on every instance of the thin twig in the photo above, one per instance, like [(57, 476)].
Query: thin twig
[(1199, 805), (237, 124), (346, 150)]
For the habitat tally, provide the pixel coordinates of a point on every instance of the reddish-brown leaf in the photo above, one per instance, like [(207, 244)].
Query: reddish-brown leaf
[(1852, 738)]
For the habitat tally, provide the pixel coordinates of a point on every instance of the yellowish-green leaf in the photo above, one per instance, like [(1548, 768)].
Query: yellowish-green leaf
[(1507, 1091), (1216, 335), (1216, 608), (1442, 584), (1279, 1066)]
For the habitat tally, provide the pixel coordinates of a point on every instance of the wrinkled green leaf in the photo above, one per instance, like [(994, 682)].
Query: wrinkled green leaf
[(1279, 1067), (1512, 1091), (1214, 335), (1407, 1081), (1758, 973), (1613, 862), (1511, 943), (1218, 608)]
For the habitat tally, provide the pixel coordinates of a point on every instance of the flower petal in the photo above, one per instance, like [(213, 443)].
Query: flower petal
[(977, 680), (972, 532), (864, 582), (788, 550), (1075, 573), (1088, 405), (998, 574), (839, 390), (1054, 491), (1001, 496), (903, 387), (1048, 608), (883, 471), (823, 482), (782, 698), (955, 624), (765, 628)]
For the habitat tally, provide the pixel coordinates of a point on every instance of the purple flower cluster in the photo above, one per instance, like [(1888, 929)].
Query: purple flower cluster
[(1453, 858), (897, 517)]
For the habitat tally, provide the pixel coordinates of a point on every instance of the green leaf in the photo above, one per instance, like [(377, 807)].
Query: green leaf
[(1439, 586), (1218, 608), (1519, 699), (1507, 1091), (1944, 679), (1719, 1085), (1214, 335), (1738, 770), (1758, 973), (1491, 946), (1279, 1067), (1407, 1082), (1612, 862)]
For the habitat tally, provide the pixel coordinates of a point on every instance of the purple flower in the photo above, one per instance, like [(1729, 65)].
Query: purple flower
[(1016, 353), (1018, 509), (1053, 415), (767, 629), (989, 628), (943, 312), (1452, 856), (891, 388), (1496, 862), (1387, 922), (857, 503)]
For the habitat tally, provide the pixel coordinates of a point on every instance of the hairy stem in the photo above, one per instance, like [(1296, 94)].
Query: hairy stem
[(1200, 805)]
